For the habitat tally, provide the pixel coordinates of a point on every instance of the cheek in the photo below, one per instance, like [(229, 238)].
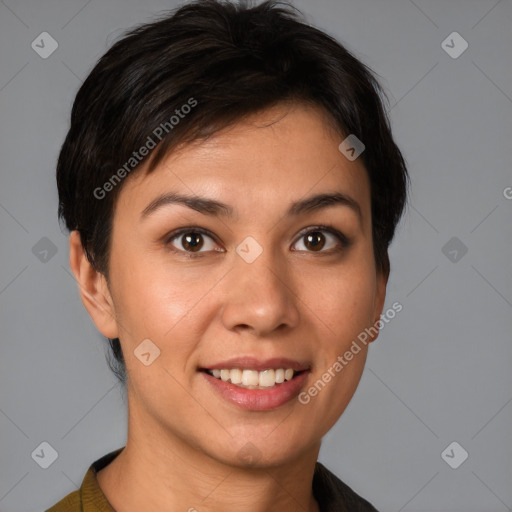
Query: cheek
[(342, 307), (164, 308), (162, 303), (343, 301), (339, 355)]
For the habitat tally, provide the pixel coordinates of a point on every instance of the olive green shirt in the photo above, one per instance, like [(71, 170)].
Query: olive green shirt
[(330, 492)]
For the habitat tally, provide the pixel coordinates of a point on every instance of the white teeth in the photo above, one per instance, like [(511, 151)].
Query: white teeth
[(252, 378), (236, 376), (267, 378)]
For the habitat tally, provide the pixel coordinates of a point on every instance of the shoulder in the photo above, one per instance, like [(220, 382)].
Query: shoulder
[(334, 495), (70, 503), (90, 497)]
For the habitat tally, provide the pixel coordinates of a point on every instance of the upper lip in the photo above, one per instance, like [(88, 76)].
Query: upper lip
[(252, 363)]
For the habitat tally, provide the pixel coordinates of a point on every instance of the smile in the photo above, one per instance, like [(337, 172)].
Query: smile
[(253, 379)]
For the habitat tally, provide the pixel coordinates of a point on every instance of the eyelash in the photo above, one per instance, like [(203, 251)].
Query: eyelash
[(343, 239)]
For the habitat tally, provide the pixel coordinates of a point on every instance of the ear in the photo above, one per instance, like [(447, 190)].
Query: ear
[(380, 297), (93, 288)]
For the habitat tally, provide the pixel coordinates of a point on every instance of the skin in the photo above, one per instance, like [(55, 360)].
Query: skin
[(293, 301)]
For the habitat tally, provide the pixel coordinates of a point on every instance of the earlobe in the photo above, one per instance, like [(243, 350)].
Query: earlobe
[(93, 288)]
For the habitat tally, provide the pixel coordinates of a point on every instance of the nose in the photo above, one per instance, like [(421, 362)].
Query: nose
[(259, 296)]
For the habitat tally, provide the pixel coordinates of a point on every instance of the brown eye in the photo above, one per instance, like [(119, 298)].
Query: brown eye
[(191, 241), (314, 240), (324, 239)]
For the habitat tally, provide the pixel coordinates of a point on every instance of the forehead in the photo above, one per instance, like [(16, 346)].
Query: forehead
[(277, 155)]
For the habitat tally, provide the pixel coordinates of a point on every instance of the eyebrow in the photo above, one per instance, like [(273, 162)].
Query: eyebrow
[(216, 208)]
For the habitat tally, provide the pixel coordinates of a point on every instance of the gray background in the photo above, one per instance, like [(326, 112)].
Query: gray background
[(440, 371)]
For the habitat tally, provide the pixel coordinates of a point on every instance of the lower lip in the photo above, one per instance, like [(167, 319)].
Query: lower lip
[(258, 399)]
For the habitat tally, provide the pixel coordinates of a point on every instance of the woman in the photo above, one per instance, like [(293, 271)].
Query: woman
[(231, 186)]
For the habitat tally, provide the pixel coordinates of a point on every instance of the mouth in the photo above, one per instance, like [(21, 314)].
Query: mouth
[(254, 379), (256, 385)]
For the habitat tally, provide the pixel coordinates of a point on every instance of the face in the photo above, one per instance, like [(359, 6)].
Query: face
[(274, 279)]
